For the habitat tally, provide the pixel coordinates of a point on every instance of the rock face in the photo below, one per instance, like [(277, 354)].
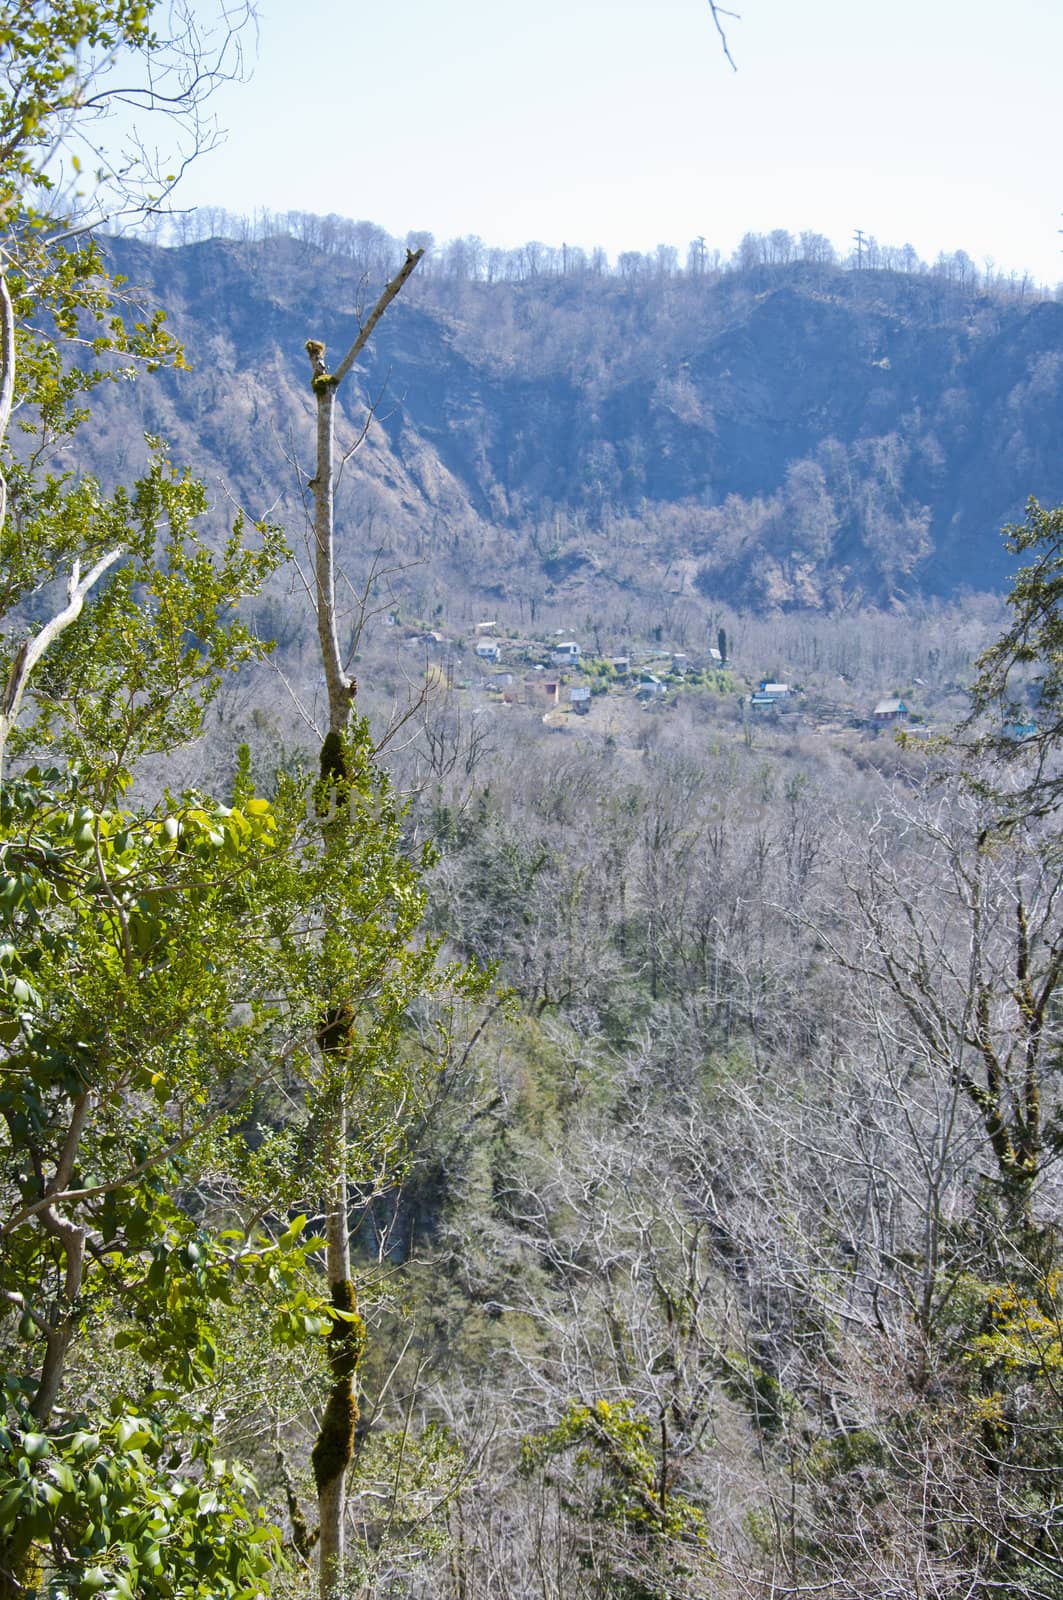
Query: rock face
[(789, 436)]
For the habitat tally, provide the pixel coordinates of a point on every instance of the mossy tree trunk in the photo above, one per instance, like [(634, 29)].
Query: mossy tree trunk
[(334, 1448)]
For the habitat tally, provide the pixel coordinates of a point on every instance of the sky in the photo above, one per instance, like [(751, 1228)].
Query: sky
[(620, 124)]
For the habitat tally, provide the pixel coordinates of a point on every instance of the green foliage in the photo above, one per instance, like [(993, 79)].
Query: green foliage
[(1023, 669), (610, 1444), (46, 56), (857, 1449), (768, 1402), (1022, 1331), (156, 969), (135, 1504), (146, 659), (164, 970)]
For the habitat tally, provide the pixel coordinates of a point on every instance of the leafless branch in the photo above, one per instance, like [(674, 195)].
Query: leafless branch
[(718, 13)]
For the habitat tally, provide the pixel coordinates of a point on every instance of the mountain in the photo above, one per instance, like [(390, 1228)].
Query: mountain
[(783, 437)]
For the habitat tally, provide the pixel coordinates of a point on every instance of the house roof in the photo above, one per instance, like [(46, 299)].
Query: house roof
[(889, 708)]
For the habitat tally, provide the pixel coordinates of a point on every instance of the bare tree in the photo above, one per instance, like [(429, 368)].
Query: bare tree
[(334, 1449)]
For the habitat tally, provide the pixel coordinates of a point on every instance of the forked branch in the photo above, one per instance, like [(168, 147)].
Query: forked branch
[(30, 651), (340, 687)]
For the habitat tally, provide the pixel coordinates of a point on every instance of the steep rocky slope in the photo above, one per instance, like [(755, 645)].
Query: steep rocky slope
[(784, 437)]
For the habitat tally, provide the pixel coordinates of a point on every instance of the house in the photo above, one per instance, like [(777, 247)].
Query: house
[(621, 665), (649, 688), (486, 627), (679, 661), (767, 700), (566, 654), (580, 696), (764, 704), (487, 650), (888, 711), (540, 691)]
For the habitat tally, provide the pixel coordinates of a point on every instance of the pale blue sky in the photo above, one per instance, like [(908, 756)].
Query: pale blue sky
[(619, 123)]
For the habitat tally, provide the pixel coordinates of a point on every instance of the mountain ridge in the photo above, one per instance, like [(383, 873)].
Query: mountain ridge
[(786, 437)]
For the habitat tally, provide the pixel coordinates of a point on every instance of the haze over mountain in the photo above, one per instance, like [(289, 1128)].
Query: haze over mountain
[(774, 435)]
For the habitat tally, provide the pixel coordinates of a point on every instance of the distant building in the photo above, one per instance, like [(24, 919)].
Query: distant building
[(487, 650), (540, 691), (621, 665), (763, 704), (580, 696), (486, 627), (778, 691), (888, 711), (566, 654)]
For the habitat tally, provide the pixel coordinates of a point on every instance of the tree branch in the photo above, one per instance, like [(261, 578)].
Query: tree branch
[(719, 12), (31, 650), (7, 377), (366, 331)]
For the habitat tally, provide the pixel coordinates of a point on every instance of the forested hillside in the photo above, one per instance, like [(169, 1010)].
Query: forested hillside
[(780, 434), (531, 1011)]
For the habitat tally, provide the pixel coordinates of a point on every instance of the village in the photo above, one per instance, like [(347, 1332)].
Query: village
[(559, 680)]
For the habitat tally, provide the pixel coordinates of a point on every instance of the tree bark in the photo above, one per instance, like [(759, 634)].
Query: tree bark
[(31, 650), (334, 1448)]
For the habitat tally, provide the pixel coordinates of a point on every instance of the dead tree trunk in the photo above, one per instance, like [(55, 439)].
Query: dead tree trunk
[(334, 1448)]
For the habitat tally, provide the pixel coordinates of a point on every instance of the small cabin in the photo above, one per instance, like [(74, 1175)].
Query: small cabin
[(567, 653), (487, 650), (540, 691), (763, 704), (888, 711)]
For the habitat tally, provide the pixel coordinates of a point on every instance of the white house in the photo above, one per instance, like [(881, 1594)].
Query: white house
[(487, 650), (566, 654)]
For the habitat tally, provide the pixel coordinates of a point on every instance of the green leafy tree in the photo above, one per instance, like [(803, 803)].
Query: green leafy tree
[(164, 971), (617, 1482), (1019, 687)]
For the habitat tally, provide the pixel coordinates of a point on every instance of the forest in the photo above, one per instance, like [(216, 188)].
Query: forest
[(779, 435), (531, 980)]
